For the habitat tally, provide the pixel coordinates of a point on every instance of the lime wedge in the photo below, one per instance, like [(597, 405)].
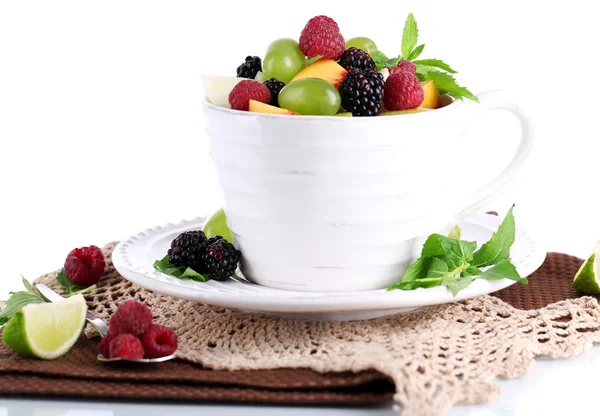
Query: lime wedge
[(46, 330), (217, 225), (586, 279)]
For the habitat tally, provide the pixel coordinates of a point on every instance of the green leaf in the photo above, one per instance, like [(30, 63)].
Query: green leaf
[(467, 248), (455, 232), (314, 59), (504, 269), (382, 61), (448, 85), (410, 35), (418, 270), (471, 271), (16, 302), (190, 273), (62, 279), (415, 284), (27, 285), (164, 266), (498, 247), (457, 284), (439, 245), (434, 63), (437, 268), (416, 52)]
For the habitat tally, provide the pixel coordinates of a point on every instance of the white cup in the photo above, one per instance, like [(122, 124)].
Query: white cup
[(337, 204)]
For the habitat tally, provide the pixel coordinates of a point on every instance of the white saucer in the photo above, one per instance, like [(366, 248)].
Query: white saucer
[(134, 259)]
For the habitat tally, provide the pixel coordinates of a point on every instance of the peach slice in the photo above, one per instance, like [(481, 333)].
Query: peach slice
[(326, 69), (432, 95), (258, 107)]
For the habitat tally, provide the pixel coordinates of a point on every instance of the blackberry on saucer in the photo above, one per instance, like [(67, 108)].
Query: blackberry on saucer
[(362, 92), (249, 68), (275, 86), (187, 250), (356, 58), (220, 258)]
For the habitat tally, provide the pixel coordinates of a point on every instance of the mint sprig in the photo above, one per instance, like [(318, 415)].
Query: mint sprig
[(19, 299), (427, 69), (456, 263), (185, 273)]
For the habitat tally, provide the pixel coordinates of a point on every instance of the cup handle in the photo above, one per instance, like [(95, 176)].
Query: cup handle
[(500, 100)]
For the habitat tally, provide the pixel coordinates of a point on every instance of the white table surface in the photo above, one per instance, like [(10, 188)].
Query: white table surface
[(552, 387)]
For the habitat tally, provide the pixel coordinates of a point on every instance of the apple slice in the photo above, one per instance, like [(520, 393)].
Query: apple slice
[(432, 95), (217, 88), (258, 107), (326, 69)]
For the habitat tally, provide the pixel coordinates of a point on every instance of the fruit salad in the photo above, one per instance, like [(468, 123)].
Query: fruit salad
[(323, 74)]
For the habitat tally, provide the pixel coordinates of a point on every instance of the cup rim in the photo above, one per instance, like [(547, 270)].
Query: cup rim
[(454, 105)]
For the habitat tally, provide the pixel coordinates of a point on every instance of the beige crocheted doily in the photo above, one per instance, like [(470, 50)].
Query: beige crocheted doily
[(437, 356)]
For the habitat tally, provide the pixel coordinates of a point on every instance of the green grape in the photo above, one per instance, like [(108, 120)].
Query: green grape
[(283, 60), (363, 43), (310, 96)]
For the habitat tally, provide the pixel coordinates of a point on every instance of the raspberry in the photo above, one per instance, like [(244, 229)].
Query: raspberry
[(126, 346), (407, 66), (249, 68), (84, 266), (361, 92), (159, 341), (244, 91), (356, 58), (186, 250), (275, 86), (321, 36), (402, 91), (131, 317), (104, 347), (221, 259)]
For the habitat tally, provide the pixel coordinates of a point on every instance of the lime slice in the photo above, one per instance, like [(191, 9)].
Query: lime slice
[(46, 330), (586, 279), (217, 225)]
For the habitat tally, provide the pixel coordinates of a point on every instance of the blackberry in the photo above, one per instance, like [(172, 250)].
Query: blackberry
[(187, 250), (249, 68), (362, 92), (275, 86), (220, 259), (356, 58)]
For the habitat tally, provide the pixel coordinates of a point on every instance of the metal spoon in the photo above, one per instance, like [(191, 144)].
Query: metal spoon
[(51, 296)]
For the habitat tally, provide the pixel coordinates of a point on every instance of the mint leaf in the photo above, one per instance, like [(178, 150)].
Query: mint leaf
[(410, 35), (16, 302), (434, 63), (440, 245), (471, 271), (467, 248), (416, 52), (456, 284), (190, 273), (62, 279), (415, 284), (27, 285), (455, 233), (504, 269), (382, 61), (498, 247), (448, 85), (164, 266), (437, 268), (417, 270)]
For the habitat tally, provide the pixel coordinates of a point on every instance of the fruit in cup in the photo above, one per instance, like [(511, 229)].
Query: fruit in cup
[(274, 86), (363, 43), (258, 107), (362, 92), (356, 58), (402, 91), (242, 93), (411, 111), (310, 96), (217, 88), (431, 95), (283, 60), (250, 68), (322, 37), (326, 69)]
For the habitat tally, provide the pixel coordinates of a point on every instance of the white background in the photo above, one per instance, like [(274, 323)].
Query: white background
[(102, 130)]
